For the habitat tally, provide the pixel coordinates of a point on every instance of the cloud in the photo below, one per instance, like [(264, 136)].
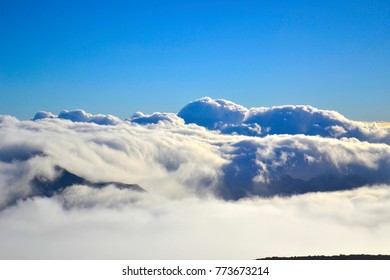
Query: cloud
[(117, 224), (79, 116), (154, 118), (298, 120), (163, 154), (230, 118), (155, 157), (251, 175), (43, 115), (212, 113), (294, 164)]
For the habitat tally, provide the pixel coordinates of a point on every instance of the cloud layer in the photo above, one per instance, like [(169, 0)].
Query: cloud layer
[(115, 224), (215, 172), (79, 116), (230, 118)]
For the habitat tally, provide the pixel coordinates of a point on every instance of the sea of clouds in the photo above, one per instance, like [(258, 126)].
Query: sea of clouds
[(221, 181)]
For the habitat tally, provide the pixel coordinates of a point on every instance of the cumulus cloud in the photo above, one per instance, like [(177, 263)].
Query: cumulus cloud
[(79, 116), (230, 118), (213, 173), (43, 115), (213, 113), (294, 164), (154, 118)]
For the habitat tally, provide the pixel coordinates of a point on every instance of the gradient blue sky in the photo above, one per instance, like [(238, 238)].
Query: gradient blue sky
[(119, 57)]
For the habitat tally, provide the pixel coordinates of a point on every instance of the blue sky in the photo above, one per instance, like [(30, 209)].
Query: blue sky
[(119, 57)]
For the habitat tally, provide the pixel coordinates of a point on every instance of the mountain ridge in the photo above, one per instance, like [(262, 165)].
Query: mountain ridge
[(42, 186), (333, 257)]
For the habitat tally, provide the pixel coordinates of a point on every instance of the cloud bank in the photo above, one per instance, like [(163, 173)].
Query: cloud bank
[(79, 116), (216, 173), (114, 224), (230, 118)]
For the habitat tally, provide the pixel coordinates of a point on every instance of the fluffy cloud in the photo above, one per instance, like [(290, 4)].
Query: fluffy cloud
[(230, 118), (43, 115), (79, 116), (156, 157), (213, 113), (169, 155), (209, 181), (294, 164), (154, 118), (116, 224)]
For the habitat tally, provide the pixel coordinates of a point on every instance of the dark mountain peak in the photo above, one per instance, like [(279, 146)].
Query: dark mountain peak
[(336, 257), (44, 186)]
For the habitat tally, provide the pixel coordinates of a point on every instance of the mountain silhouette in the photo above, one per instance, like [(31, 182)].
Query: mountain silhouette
[(44, 186), (336, 257)]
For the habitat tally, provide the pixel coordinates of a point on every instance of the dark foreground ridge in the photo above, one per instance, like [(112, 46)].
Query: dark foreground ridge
[(46, 187), (339, 257)]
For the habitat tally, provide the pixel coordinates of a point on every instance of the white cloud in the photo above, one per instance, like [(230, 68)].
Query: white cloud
[(154, 118), (79, 116), (43, 115), (213, 113), (114, 225), (288, 183), (231, 118), (167, 156)]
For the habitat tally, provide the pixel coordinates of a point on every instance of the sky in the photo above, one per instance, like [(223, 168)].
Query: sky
[(119, 57)]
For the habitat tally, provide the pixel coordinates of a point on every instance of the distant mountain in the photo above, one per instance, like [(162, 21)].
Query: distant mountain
[(43, 186), (339, 257)]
